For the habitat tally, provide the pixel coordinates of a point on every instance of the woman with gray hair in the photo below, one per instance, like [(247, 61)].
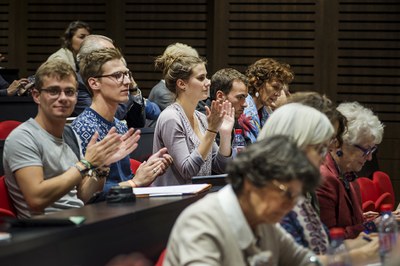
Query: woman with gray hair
[(238, 224), (339, 196), (312, 131)]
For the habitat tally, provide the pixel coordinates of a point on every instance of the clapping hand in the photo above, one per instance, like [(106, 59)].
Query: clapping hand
[(128, 145), (228, 119), (221, 112)]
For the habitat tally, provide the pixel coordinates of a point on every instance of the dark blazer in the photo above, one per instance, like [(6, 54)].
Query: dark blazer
[(339, 207)]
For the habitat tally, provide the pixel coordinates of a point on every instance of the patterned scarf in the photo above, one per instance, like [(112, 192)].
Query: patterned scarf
[(314, 232)]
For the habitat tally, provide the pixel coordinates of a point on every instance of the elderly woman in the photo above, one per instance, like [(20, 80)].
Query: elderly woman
[(267, 77), (312, 131), (71, 42), (339, 196), (188, 134), (238, 224)]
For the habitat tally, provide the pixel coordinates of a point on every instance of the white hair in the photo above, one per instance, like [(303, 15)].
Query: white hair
[(95, 42), (304, 124), (361, 123)]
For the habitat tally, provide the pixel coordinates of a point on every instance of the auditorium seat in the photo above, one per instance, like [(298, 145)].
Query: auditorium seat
[(6, 127), (6, 207), (383, 184)]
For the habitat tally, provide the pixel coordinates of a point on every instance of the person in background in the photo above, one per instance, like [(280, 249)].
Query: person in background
[(72, 39), (281, 100), (7, 89), (108, 80), (160, 94), (267, 77), (238, 225), (229, 84), (188, 134), (135, 109), (339, 196), (42, 173), (312, 131)]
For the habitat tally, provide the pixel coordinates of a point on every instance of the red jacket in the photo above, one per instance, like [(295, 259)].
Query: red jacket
[(339, 207)]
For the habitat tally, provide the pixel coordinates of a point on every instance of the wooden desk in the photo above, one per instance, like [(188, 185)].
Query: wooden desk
[(17, 108), (109, 230)]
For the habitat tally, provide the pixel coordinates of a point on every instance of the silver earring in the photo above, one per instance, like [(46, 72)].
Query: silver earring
[(257, 94)]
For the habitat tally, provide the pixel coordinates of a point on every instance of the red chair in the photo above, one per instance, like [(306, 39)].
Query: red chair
[(160, 260), (368, 206), (385, 198), (134, 165), (6, 207), (383, 184), (369, 193), (6, 127)]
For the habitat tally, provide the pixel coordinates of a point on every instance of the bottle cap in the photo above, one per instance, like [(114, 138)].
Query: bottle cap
[(238, 131), (336, 232), (386, 207)]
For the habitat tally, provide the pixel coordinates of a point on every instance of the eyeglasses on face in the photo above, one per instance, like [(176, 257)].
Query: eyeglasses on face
[(55, 92), (321, 149), (365, 151), (289, 195), (119, 75)]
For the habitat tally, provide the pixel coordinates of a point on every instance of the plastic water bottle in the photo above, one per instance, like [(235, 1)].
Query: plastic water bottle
[(387, 232), (337, 252), (239, 142)]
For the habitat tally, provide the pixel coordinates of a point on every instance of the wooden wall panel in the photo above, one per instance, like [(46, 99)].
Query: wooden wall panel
[(150, 26), (284, 30), (368, 69), (47, 20), (4, 30)]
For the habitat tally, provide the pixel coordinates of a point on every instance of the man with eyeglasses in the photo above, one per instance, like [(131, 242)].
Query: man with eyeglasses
[(43, 174), (108, 79), (135, 109)]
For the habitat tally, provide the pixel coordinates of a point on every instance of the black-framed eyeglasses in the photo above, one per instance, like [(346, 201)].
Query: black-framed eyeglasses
[(365, 151), (56, 92), (286, 192), (119, 75)]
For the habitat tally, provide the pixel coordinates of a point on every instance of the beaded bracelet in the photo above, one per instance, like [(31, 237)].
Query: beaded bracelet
[(87, 164)]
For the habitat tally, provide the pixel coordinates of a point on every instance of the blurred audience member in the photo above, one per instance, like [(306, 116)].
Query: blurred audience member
[(72, 39), (238, 224)]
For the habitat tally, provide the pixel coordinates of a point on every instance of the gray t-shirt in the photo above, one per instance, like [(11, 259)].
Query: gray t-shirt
[(30, 145)]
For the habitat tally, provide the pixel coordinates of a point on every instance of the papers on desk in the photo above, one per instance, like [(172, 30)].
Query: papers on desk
[(180, 190)]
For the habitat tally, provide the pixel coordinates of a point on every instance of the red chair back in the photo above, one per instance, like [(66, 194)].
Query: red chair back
[(368, 190), (385, 198), (160, 260), (7, 126), (134, 165), (6, 207), (383, 184)]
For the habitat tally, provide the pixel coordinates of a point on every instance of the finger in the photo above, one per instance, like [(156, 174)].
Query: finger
[(93, 139)]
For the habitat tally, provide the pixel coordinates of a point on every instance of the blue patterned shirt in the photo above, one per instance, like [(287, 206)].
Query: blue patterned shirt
[(85, 125)]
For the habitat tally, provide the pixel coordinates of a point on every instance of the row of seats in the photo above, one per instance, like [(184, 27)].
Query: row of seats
[(376, 191)]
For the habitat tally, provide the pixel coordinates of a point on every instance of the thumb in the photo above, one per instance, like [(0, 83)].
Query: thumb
[(207, 110)]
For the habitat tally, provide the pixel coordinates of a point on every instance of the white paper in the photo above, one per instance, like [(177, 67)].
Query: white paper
[(171, 190)]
